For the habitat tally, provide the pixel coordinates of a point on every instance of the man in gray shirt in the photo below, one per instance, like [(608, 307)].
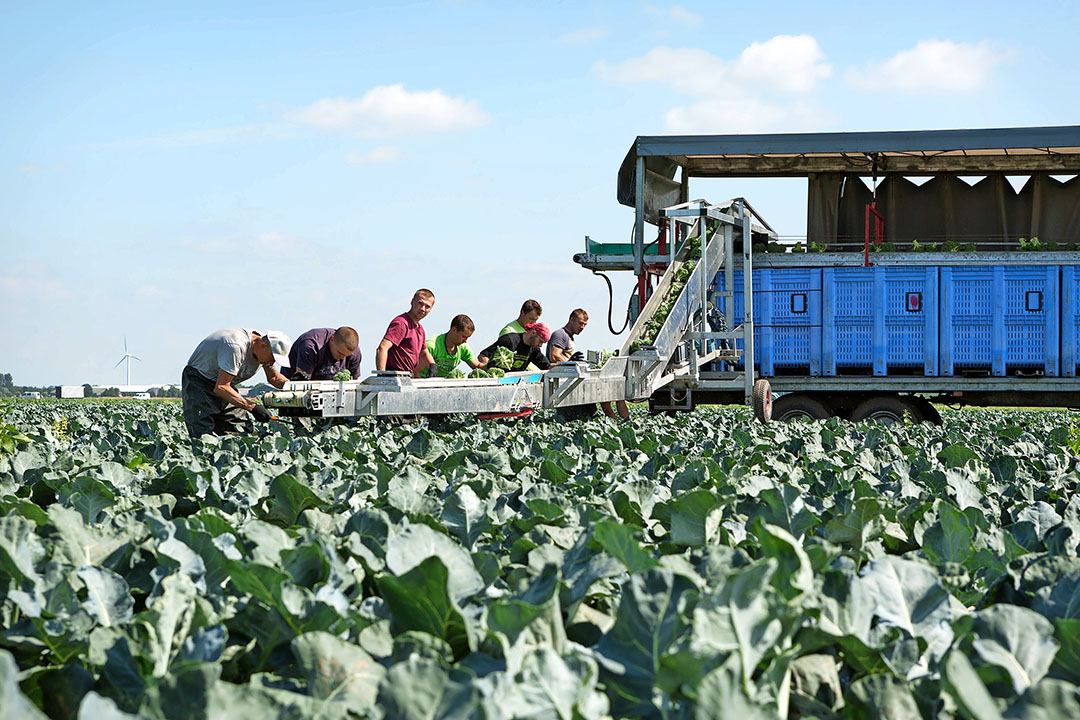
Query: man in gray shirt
[(223, 360), (561, 345), (561, 349)]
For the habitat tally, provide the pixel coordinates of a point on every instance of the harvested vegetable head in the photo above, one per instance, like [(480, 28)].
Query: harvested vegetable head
[(343, 375), (503, 358)]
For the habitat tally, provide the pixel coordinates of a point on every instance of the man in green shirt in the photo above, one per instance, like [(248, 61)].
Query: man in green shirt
[(452, 348), (530, 313)]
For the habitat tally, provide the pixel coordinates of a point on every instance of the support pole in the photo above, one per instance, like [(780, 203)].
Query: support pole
[(703, 325), (748, 304), (729, 276), (639, 216)]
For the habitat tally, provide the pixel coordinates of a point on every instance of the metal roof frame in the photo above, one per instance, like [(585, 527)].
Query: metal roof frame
[(911, 152)]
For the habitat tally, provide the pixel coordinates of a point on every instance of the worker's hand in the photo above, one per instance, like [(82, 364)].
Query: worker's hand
[(261, 413), (577, 357)]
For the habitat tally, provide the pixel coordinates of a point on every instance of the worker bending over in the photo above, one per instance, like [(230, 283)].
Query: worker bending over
[(404, 346), (223, 360), (451, 348), (321, 353), (530, 313), (525, 346)]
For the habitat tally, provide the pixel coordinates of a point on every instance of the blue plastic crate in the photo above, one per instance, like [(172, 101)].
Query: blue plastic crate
[(787, 318), (879, 318), (1070, 320), (1000, 319)]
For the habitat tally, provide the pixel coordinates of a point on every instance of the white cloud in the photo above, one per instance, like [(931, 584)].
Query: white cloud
[(677, 13), (932, 66), (391, 109), (717, 115), (382, 155), (752, 92), (684, 70), (584, 35), (785, 63), (152, 291)]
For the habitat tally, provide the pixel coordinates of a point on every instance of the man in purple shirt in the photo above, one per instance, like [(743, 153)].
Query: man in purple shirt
[(404, 346), (322, 353)]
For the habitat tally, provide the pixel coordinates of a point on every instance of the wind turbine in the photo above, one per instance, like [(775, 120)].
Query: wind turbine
[(129, 357)]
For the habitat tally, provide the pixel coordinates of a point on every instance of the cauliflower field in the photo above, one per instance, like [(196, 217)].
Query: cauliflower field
[(692, 567)]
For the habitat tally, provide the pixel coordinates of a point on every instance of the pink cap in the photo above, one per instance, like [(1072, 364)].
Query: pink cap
[(540, 329)]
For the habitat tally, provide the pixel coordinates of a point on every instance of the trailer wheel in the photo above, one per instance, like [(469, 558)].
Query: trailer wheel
[(797, 406), (928, 411), (887, 410), (762, 400)]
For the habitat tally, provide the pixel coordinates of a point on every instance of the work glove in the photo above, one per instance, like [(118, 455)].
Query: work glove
[(577, 357), (261, 413)]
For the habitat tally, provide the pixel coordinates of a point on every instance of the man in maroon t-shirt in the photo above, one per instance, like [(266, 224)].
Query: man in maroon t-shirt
[(404, 346)]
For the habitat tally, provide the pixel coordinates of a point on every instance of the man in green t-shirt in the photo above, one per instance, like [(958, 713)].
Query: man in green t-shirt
[(530, 313), (452, 348)]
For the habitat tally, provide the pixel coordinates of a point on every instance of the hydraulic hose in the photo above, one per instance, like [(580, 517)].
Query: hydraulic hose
[(611, 305)]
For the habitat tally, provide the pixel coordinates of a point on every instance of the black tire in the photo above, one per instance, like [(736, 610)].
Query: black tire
[(762, 400), (797, 406), (928, 411), (887, 410)]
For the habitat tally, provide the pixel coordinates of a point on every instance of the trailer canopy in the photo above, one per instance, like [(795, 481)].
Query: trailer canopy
[(947, 208)]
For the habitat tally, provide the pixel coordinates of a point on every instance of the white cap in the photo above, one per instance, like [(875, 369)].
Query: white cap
[(280, 344)]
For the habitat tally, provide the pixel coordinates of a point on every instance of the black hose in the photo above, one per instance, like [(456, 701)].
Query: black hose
[(611, 304)]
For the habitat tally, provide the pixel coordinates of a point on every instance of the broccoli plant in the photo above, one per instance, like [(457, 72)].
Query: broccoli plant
[(342, 375), (503, 358)]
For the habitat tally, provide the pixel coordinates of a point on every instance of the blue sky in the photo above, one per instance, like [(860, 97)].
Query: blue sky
[(169, 170)]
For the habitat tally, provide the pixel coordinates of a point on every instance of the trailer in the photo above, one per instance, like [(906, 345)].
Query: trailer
[(868, 323)]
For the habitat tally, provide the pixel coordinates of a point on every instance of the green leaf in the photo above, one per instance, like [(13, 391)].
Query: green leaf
[(337, 671), (865, 521), (20, 548), (882, 697), (97, 707), (465, 516), (289, 498), (420, 600), (13, 704), (107, 598), (961, 681), (695, 518), (1015, 639), (416, 543), (620, 541), (909, 595), (951, 538), (89, 496), (649, 621)]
